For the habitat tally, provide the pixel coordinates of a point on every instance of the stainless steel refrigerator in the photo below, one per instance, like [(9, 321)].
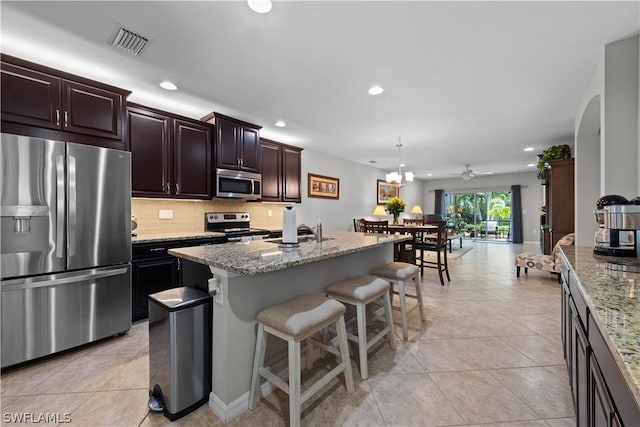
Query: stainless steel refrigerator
[(66, 245)]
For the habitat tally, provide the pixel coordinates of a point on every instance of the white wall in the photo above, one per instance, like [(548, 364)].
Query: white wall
[(531, 193), (620, 124), (616, 85), (587, 172), (358, 184)]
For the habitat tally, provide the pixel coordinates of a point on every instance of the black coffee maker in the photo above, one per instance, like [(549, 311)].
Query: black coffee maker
[(619, 226)]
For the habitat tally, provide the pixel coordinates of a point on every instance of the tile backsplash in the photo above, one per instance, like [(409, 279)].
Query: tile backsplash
[(188, 215)]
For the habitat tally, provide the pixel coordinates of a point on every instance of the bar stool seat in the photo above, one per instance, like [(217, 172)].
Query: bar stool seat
[(359, 291), (294, 321), (399, 274)]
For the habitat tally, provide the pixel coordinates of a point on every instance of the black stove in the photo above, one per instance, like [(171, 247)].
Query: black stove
[(235, 225)]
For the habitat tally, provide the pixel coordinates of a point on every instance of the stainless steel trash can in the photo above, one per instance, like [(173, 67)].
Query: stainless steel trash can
[(179, 350)]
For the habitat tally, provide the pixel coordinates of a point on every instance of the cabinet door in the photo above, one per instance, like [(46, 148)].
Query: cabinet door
[(579, 375), (227, 155), (149, 142), (250, 149), (271, 172), (560, 210), (149, 277), (30, 97), (601, 410), (291, 169), (91, 111), (566, 324), (192, 160)]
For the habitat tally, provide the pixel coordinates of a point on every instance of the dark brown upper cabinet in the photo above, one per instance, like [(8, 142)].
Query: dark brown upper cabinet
[(237, 143), (171, 156), (281, 172), (43, 102), (192, 159)]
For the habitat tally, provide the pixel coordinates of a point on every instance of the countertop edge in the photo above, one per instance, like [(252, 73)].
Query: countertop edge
[(178, 252), (170, 237)]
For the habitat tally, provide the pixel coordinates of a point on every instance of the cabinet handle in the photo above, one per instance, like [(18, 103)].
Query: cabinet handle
[(177, 188), (238, 161), (168, 188), (156, 249), (57, 117), (66, 119)]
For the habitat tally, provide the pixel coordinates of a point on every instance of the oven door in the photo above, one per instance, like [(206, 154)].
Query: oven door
[(239, 185)]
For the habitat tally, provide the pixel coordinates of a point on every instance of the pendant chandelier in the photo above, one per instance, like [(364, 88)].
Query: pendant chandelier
[(395, 178)]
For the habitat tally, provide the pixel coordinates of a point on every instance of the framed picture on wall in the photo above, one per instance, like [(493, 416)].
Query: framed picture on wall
[(386, 191), (324, 187)]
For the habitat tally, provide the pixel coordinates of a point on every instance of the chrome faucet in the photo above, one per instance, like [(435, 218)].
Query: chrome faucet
[(316, 231)]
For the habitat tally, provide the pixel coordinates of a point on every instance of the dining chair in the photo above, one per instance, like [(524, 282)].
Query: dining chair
[(376, 226), (413, 221), (358, 226), (433, 242)]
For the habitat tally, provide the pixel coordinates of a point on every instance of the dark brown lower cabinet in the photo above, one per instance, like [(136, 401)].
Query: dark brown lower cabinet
[(566, 323), (151, 276), (600, 392), (154, 270), (602, 413), (579, 367)]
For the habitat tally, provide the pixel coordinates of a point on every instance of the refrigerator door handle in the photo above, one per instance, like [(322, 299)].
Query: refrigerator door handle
[(72, 206), (61, 279), (59, 206)]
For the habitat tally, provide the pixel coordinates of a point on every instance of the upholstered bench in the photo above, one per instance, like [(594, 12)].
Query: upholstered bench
[(550, 263)]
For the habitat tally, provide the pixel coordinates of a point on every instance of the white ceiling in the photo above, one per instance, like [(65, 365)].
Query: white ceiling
[(465, 82)]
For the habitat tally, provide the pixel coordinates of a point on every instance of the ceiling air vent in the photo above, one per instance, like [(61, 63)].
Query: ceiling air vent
[(129, 41)]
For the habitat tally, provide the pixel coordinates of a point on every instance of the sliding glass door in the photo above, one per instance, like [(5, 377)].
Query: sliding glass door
[(480, 215)]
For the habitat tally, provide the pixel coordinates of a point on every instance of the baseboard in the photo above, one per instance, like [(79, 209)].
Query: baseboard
[(226, 412)]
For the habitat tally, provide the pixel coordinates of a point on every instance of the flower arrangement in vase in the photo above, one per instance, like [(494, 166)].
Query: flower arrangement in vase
[(395, 205)]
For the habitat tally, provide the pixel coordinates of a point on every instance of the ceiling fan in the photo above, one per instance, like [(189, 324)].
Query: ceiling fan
[(468, 173)]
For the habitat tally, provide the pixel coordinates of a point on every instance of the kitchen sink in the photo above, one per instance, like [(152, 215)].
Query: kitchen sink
[(301, 239)]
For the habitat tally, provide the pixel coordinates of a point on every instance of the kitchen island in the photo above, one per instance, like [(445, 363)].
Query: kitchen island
[(250, 276), (601, 336)]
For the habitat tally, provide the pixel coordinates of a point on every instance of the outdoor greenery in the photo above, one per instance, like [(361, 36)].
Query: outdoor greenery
[(555, 152), (470, 211)]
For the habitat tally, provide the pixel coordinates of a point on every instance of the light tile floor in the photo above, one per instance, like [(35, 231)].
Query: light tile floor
[(488, 354)]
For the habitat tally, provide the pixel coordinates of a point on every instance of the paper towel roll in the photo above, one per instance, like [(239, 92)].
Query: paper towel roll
[(289, 226)]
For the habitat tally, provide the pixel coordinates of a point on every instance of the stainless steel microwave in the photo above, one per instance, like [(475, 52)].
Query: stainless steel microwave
[(238, 184)]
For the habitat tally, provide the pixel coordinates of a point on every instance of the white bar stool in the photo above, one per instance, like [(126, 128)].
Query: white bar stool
[(294, 321), (400, 273), (360, 291)]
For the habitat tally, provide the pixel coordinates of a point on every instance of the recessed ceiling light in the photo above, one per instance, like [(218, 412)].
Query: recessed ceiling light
[(531, 164), (260, 6), (372, 161), (429, 174), (280, 124), (168, 86), (528, 149), (375, 90)]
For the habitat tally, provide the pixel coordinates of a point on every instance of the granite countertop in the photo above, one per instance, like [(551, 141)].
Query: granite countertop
[(263, 256), (167, 237), (612, 298)]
